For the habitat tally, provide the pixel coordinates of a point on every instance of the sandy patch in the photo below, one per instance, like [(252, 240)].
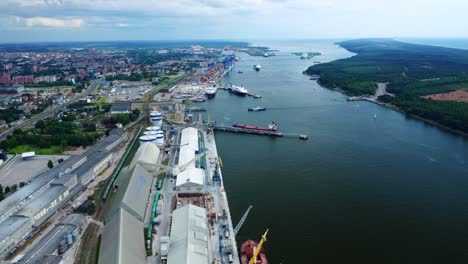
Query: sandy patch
[(456, 96)]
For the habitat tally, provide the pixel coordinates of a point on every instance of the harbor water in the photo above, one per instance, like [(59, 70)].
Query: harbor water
[(369, 186)]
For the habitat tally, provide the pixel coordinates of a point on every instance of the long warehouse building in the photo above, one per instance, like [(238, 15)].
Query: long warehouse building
[(123, 238), (35, 203)]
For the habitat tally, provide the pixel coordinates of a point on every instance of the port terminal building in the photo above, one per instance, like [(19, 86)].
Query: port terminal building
[(24, 212)]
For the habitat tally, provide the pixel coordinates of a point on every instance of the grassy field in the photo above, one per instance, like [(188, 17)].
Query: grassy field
[(54, 150), (411, 72)]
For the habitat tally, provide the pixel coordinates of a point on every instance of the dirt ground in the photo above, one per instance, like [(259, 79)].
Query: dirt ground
[(456, 96)]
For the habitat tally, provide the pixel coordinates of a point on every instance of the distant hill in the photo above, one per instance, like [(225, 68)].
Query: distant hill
[(411, 71)]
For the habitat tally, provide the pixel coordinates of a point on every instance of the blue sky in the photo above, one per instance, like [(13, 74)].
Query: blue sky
[(87, 20)]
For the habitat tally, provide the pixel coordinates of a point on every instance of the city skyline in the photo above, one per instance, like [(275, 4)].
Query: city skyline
[(103, 20)]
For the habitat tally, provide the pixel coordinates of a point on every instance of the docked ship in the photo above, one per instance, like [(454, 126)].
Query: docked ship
[(239, 90), (257, 108), (211, 92), (271, 127), (253, 249), (257, 67)]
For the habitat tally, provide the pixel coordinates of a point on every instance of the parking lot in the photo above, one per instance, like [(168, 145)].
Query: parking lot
[(18, 170)]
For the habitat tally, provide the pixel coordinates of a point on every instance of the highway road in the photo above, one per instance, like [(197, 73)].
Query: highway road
[(51, 111)]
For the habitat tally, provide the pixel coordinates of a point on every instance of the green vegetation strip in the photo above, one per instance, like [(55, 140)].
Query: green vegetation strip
[(120, 166)]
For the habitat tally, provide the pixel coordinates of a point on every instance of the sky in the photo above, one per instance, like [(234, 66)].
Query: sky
[(97, 20)]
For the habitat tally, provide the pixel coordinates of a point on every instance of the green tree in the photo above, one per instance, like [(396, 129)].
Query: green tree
[(22, 184), (14, 187), (50, 164), (1, 189), (7, 189)]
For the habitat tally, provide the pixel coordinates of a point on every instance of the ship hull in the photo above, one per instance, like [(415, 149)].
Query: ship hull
[(247, 250), (211, 95)]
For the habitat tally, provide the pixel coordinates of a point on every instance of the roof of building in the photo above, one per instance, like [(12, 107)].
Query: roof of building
[(92, 161), (11, 225), (147, 155), (41, 201), (189, 145), (15, 199), (137, 192), (122, 240), (50, 242), (189, 236), (190, 177), (123, 106)]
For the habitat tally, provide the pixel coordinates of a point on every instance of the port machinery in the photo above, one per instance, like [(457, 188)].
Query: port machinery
[(251, 250)]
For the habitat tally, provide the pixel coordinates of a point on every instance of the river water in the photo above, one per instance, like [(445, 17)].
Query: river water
[(389, 189)]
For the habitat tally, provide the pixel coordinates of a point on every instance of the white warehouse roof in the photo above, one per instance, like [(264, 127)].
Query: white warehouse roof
[(138, 190), (189, 145), (147, 155), (123, 240), (192, 177), (189, 236)]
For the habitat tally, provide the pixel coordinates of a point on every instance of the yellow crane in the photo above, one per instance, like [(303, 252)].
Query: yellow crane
[(253, 260)]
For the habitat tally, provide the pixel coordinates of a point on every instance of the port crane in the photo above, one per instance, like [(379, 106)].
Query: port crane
[(242, 220), (253, 260)]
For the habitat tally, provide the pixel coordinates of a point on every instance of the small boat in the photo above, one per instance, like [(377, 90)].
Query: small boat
[(257, 67), (240, 72), (257, 108), (257, 96)]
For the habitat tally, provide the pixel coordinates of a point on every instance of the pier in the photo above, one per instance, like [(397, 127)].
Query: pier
[(260, 132)]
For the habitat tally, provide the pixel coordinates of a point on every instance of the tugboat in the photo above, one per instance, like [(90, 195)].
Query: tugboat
[(252, 252), (257, 108), (257, 67)]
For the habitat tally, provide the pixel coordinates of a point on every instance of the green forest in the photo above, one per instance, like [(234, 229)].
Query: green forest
[(411, 71)]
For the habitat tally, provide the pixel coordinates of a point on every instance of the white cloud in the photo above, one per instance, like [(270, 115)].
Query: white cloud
[(51, 22), (122, 25)]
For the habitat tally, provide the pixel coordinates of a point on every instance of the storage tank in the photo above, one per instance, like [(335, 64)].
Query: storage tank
[(156, 118), (160, 139), (150, 133), (153, 128), (148, 139)]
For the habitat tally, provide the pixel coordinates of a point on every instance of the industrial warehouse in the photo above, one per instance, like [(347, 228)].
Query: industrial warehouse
[(23, 213)]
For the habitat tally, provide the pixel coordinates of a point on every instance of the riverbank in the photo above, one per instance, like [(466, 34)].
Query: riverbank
[(395, 108)]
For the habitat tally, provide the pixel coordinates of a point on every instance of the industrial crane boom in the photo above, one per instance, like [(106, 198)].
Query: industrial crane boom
[(253, 260)]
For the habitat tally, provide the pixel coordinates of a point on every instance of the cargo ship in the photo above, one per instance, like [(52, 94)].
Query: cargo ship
[(257, 108), (239, 90), (211, 92), (271, 127)]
